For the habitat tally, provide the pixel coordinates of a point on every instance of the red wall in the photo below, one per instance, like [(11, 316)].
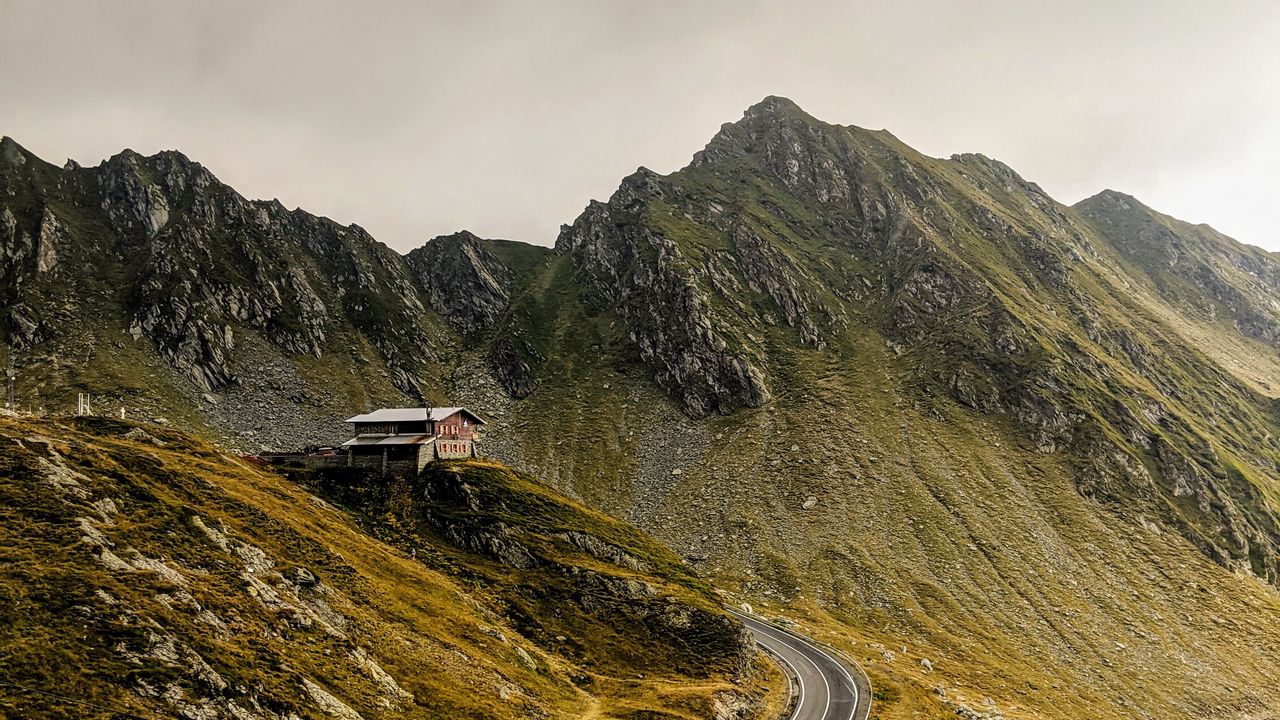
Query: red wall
[(452, 427)]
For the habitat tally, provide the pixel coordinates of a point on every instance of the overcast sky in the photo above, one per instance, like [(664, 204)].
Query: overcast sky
[(414, 119)]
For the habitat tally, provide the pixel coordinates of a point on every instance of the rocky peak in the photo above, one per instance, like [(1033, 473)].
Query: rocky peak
[(1137, 231), (11, 153), (464, 281), (1109, 200), (1193, 266), (811, 158), (775, 105), (768, 121), (132, 200)]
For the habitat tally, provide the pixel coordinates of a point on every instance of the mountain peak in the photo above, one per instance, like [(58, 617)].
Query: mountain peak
[(771, 118), (11, 152), (463, 280), (774, 105), (1110, 195), (1109, 201), (462, 236)]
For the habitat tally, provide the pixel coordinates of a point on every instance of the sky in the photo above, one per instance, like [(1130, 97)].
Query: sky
[(414, 119)]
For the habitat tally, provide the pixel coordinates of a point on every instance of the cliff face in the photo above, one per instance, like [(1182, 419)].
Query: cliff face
[(220, 288), (626, 267), (464, 281)]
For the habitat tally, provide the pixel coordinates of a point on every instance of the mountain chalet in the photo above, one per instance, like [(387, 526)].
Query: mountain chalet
[(408, 438)]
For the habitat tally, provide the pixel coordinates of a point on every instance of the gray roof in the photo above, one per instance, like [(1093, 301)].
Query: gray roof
[(416, 439), (391, 415)]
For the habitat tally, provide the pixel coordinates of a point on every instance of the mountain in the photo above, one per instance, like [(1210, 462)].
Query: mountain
[(914, 404), (153, 574), (151, 284), (925, 399)]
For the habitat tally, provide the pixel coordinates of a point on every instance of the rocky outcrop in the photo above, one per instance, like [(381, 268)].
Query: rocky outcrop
[(629, 267), (132, 200), (767, 269), (191, 265), (466, 283), (51, 235)]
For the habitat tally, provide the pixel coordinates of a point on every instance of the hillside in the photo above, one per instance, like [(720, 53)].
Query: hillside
[(914, 403), (150, 573)]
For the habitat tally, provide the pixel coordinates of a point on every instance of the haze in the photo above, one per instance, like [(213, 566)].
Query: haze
[(415, 119)]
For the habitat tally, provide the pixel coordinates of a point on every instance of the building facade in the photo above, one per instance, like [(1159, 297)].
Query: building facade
[(406, 439)]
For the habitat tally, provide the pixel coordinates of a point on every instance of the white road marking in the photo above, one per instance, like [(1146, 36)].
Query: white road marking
[(833, 659), (827, 707), (799, 679), (806, 643)]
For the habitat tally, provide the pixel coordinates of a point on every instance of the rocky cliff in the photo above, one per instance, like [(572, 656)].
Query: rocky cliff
[(229, 293), (463, 279)]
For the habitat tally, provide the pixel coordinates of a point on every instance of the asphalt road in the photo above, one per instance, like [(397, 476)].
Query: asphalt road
[(830, 688)]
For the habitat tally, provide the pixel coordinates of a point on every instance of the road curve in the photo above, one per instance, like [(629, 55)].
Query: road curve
[(829, 687)]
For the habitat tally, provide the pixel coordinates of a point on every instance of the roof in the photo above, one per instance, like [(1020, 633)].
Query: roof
[(415, 439), (420, 414)]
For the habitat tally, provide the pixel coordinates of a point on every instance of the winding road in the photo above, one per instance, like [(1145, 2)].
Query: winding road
[(829, 687)]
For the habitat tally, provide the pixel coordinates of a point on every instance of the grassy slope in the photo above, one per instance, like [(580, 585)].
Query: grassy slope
[(951, 536), (77, 622)]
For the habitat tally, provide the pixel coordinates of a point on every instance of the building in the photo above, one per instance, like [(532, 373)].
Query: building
[(406, 439)]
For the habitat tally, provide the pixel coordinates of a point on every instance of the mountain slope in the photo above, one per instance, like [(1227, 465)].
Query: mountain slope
[(152, 573), (981, 282), (1227, 293)]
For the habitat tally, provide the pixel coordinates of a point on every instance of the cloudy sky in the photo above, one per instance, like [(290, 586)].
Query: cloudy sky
[(414, 119)]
